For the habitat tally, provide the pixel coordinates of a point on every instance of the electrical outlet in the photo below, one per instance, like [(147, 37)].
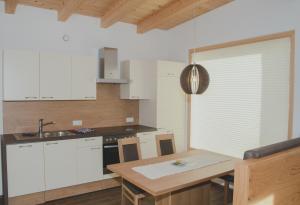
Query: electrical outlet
[(129, 119), (77, 122)]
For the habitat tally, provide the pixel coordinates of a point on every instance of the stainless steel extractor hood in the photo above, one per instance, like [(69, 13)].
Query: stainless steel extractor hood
[(109, 71)]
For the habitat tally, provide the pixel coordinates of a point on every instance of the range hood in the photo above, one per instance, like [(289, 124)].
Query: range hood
[(109, 71)]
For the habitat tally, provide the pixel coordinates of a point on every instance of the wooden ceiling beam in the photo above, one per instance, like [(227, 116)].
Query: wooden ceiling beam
[(118, 10), (168, 13), (70, 6), (11, 6)]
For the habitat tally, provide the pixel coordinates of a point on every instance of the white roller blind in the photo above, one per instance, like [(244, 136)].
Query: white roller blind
[(247, 102)]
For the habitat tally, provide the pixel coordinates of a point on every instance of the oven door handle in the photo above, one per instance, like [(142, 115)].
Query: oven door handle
[(110, 146)]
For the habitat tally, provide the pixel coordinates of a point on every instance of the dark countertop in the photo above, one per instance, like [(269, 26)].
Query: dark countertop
[(8, 139)]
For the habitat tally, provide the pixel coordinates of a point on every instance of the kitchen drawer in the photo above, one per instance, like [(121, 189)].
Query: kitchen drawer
[(90, 141)]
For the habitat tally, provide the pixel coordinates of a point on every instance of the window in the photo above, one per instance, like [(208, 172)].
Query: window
[(247, 102)]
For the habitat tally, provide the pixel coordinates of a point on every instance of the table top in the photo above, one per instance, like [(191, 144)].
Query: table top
[(167, 184)]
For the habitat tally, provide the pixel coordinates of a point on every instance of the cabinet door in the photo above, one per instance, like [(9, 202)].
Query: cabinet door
[(25, 169), (84, 77), (148, 144), (180, 140), (21, 75), (89, 164), (55, 77), (60, 164), (139, 74), (171, 106)]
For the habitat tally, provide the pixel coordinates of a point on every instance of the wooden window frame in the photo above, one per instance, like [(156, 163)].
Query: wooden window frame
[(288, 34)]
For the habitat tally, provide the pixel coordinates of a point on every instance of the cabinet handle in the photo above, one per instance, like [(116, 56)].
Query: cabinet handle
[(51, 143), (25, 146), (87, 97), (92, 139), (95, 148), (47, 97), (30, 97)]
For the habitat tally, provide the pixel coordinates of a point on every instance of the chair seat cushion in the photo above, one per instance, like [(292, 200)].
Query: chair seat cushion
[(136, 190)]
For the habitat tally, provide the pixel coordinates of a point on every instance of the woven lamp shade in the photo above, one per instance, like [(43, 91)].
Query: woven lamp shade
[(194, 79)]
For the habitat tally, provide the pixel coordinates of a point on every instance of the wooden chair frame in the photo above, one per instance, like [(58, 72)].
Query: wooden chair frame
[(164, 137), (127, 141), (126, 192)]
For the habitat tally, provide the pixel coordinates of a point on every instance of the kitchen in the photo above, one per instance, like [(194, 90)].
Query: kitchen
[(81, 77), (61, 164)]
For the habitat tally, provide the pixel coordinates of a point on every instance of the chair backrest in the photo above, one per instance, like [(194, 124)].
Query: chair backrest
[(129, 149), (165, 144), (269, 175)]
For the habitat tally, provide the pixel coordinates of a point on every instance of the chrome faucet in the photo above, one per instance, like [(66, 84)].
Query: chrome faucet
[(41, 126)]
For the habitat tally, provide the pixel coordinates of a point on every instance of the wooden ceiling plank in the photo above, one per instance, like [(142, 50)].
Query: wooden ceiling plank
[(11, 6), (70, 7), (211, 5), (118, 10), (167, 13)]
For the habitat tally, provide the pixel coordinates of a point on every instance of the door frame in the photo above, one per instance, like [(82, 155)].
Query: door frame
[(287, 34)]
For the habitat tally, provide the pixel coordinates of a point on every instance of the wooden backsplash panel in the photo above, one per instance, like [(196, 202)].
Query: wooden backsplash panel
[(107, 110)]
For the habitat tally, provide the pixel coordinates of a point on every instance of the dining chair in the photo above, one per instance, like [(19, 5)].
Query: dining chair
[(129, 150), (165, 144)]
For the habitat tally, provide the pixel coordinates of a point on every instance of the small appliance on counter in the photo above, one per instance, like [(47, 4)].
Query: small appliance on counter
[(84, 130)]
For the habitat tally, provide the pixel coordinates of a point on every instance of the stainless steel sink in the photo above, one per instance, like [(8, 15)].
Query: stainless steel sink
[(27, 136), (58, 134)]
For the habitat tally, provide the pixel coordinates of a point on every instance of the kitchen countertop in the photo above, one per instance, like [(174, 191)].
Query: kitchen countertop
[(8, 139)]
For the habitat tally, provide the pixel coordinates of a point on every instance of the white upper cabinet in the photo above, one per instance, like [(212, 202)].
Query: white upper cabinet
[(84, 72), (55, 76), (21, 75), (30, 75), (25, 169), (139, 86)]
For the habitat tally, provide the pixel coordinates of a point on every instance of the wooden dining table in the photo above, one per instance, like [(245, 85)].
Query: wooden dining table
[(185, 188)]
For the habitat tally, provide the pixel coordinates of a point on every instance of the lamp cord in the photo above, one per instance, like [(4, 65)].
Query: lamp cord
[(195, 34)]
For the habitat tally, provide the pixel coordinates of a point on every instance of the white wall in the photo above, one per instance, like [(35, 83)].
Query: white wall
[(241, 19), (34, 28)]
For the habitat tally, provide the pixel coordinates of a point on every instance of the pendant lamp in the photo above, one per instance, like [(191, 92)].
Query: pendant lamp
[(194, 79)]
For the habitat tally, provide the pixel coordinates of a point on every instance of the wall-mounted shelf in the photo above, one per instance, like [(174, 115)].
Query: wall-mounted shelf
[(114, 81)]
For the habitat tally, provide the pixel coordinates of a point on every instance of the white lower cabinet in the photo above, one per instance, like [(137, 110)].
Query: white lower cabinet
[(25, 169), (148, 144), (89, 160), (42, 166), (60, 163)]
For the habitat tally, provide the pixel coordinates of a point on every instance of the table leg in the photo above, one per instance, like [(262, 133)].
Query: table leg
[(163, 199)]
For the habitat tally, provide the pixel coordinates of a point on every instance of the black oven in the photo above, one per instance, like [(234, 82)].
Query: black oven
[(111, 151)]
